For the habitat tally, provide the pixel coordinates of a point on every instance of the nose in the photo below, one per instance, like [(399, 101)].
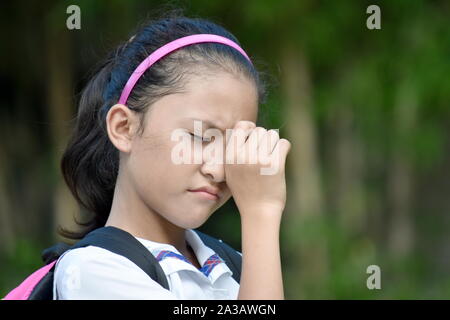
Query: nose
[(213, 166), (215, 171)]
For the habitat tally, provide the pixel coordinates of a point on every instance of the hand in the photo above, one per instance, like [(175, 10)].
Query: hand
[(258, 187)]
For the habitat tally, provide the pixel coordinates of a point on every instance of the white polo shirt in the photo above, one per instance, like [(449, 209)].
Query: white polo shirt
[(96, 273)]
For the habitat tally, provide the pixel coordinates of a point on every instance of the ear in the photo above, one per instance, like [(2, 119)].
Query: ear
[(121, 125)]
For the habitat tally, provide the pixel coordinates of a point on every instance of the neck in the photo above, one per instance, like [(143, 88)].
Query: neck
[(130, 213)]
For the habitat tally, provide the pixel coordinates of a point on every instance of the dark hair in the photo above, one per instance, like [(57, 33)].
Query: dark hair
[(90, 162)]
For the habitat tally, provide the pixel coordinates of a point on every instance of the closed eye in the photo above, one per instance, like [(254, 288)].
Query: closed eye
[(198, 137)]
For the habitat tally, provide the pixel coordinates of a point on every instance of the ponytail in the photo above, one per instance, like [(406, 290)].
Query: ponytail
[(90, 162)]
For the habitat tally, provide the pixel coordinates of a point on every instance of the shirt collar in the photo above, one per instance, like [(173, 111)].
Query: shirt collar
[(171, 260)]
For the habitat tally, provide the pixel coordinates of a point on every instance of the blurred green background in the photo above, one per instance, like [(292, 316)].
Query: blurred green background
[(367, 112)]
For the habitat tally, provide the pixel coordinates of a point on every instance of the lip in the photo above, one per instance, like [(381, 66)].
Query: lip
[(207, 192)]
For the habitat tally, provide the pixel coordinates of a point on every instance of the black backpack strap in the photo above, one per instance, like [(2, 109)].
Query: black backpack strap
[(123, 243), (54, 252), (231, 257)]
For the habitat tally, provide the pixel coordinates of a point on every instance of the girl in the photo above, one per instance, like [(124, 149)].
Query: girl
[(119, 166)]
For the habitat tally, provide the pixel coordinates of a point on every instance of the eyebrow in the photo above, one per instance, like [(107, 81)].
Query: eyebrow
[(210, 123)]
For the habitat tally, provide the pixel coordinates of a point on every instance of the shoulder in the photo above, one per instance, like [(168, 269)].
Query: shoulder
[(93, 257), (90, 261), (96, 273)]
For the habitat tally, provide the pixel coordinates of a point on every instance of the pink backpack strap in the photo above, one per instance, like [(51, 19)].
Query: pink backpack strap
[(23, 291)]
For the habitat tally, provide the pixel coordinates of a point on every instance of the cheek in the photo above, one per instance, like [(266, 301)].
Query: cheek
[(153, 166)]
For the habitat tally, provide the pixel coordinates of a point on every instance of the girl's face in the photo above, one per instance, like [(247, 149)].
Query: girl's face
[(219, 101)]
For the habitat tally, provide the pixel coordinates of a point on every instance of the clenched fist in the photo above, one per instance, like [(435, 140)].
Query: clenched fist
[(255, 170)]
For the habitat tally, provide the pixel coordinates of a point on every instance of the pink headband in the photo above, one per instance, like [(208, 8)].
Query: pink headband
[(168, 48)]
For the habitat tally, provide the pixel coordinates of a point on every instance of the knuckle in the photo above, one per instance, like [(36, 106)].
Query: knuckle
[(287, 143), (245, 123), (261, 131), (274, 133)]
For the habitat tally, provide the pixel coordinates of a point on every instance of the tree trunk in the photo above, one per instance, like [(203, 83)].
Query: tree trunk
[(346, 193), (7, 228), (305, 200), (401, 175), (60, 106)]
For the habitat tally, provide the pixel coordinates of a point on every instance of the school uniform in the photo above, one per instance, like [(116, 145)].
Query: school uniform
[(96, 273)]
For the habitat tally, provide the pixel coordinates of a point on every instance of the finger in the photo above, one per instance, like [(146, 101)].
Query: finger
[(250, 149), (243, 125), (261, 136), (247, 127), (273, 138), (281, 150), (237, 139), (264, 144)]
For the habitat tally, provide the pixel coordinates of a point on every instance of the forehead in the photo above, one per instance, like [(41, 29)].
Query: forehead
[(222, 99)]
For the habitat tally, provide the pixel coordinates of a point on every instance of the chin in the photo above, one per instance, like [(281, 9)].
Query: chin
[(192, 224), (193, 220)]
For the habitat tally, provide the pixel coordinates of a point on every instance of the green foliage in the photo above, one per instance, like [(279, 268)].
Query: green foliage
[(18, 263)]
